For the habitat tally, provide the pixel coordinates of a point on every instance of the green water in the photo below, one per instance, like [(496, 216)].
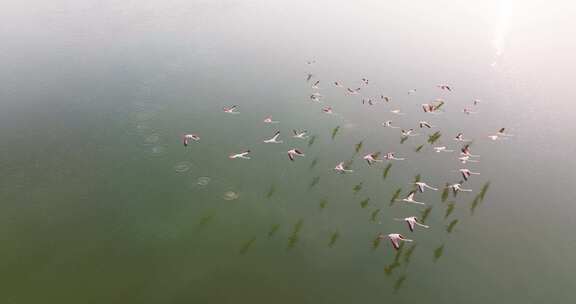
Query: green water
[(101, 203)]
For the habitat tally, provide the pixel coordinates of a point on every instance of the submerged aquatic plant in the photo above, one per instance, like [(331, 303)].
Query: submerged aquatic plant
[(271, 191), (484, 190), (408, 254), (333, 238), (417, 178), (357, 188), (314, 163), (295, 235), (386, 171), (425, 214), (246, 245), (273, 229), (364, 202), (399, 252), (358, 146), (335, 131), (445, 193), (403, 139), (451, 226), (388, 269), (374, 215), (205, 220), (432, 139), (311, 140), (438, 252), (449, 209), (376, 242), (395, 196)]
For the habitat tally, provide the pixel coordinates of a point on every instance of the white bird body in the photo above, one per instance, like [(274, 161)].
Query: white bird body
[(292, 153), (406, 133), (395, 239), (391, 156), (465, 159), (269, 120), (466, 173), (243, 155), (188, 137), (372, 158), (442, 149), (422, 186), (457, 187), (300, 134), (231, 109), (410, 199), (388, 124), (328, 110), (412, 221), (274, 139), (341, 168), (397, 112)]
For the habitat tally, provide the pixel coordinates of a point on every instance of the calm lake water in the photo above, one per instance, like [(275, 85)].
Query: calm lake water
[(101, 203)]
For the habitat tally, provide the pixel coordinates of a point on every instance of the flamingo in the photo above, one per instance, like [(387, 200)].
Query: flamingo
[(412, 221), (292, 153), (274, 139), (243, 155), (341, 168), (187, 137)]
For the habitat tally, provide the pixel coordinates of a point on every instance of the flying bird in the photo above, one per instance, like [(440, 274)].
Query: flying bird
[(423, 123), (391, 156), (274, 139), (412, 221), (341, 168), (466, 173), (292, 153), (422, 186), (388, 124), (188, 137), (300, 134), (410, 199), (243, 155), (445, 87), (269, 120), (372, 158), (442, 149), (327, 110), (395, 239), (231, 109), (457, 187)]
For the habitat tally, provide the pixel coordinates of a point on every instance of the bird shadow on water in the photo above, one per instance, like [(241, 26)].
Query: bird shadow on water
[(271, 191), (395, 196), (374, 215), (438, 252), (425, 214), (386, 171), (432, 139), (399, 283), (313, 163), (323, 204), (204, 221), (419, 148), (357, 188), (273, 229), (246, 245), (449, 209), (312, 140), (335, 132), (314, 182), (364, 202), (295, 235), (445, 193), (358, 147), (333, 238), (451, 226)]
